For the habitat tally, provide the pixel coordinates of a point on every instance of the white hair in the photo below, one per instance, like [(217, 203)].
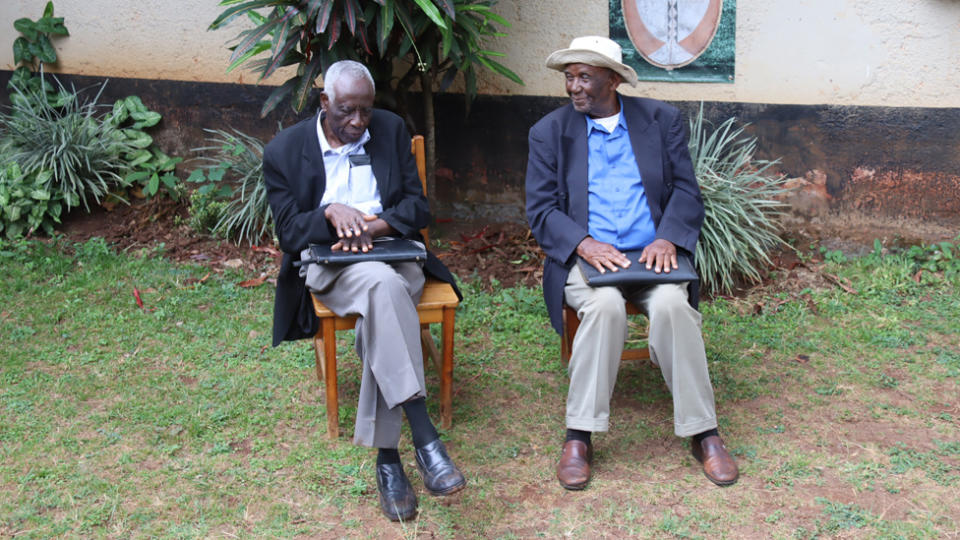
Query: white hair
[(349, 68)]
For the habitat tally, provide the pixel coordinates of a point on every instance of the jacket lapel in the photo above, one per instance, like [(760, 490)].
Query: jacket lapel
[(646, 144), (574, 151), (315, 183), (379, 159)]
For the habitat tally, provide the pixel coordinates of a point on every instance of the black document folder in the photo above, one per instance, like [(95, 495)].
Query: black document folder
[(637, 273), (384, 249)]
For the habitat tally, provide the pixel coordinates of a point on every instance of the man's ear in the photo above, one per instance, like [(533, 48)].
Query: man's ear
[(615, 78), (324, 101)]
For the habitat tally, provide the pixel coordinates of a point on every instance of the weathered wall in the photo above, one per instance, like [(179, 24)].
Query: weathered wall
[(837, 52), (858, 98), (897, 162)]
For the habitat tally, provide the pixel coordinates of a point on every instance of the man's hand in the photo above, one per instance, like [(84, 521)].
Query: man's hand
[(661, 255), (346, 220), (601, 255), (352, 226)]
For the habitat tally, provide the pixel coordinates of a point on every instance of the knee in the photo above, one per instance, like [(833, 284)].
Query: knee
[(384, 280), (607, 304), (668, 302)]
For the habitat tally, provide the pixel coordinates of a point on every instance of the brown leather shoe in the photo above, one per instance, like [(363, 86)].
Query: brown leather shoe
[(573, 469), (718, 465)]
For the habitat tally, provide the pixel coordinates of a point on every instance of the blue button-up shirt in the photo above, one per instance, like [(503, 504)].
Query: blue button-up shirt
[(619, 213)]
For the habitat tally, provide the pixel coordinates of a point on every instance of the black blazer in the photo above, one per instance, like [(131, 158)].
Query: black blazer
[(556, 186), (295, 179)]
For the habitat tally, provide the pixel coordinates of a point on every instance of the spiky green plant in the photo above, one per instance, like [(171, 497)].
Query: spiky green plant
[(742, 219), (235, 162), (70, 139)]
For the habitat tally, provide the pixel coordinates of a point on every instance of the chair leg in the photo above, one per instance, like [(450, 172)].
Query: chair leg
[(570, 325), (446, 373), (429, 348), (318, 354), (330, 375)]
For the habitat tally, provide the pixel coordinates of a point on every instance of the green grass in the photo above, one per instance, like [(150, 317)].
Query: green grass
[(178, 420)]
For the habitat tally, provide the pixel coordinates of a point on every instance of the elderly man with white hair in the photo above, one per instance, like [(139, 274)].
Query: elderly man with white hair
[(342, 178)]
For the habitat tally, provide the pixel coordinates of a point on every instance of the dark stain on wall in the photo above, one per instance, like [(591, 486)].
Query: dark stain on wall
[(889, 161)]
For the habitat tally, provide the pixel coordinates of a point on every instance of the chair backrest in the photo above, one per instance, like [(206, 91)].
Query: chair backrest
[(420, 155)]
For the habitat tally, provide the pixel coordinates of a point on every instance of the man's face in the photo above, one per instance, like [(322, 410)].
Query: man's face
[(349, 114), (593, 90)]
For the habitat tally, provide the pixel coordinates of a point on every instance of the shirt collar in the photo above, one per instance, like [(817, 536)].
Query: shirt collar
[(594, 125), (349, 148)]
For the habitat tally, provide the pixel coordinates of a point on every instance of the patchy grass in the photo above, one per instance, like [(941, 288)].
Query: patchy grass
[(178, 420)]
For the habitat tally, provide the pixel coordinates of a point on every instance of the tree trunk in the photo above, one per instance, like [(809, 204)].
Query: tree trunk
[(430, 135)]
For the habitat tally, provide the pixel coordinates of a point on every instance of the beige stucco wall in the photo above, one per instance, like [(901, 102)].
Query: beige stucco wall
[(863, 52)]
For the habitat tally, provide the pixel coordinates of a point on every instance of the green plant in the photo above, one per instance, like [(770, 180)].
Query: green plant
[(938, 257), (26, 204), (152, 168), (69, 128), (206, 211), (84, 153), (739, 196), (31, 50), (431, 41), (232, 172)]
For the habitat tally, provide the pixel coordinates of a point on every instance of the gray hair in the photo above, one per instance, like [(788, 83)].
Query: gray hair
[(349, 68)]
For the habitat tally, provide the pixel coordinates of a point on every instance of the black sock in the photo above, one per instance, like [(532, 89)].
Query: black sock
[(701, 436), (386, 456), (578, 435), (420, 425)]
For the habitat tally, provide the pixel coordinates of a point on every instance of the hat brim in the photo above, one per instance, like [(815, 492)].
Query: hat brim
[(560, 59)]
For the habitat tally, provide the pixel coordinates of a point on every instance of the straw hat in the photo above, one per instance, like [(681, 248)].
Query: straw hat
[(594, 51)]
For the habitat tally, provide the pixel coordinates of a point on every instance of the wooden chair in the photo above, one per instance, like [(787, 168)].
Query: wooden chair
[(437, 305), (570, 324)]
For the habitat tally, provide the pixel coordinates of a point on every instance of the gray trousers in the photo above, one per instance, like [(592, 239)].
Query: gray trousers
[(675, 342), (384, 297)]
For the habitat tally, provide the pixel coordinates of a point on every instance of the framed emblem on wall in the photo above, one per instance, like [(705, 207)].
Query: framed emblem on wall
[(676, 40)]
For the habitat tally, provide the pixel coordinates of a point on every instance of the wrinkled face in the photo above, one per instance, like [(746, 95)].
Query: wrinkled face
[(349, 114), (593, 90)]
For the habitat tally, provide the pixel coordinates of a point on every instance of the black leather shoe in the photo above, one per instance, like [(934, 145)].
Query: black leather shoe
[(397, 500), (440, 475)]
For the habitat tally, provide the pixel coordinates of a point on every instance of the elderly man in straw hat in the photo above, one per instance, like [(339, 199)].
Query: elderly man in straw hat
[(609, 173)]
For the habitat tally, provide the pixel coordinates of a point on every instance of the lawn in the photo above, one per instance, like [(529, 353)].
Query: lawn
[(837, 387)]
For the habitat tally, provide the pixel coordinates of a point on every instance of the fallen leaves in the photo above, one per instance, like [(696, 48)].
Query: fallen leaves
[(506, 253), (254, 282), (843, 283)]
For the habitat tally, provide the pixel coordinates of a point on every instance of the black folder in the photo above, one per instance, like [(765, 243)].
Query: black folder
[(637, 273), (384, 249)]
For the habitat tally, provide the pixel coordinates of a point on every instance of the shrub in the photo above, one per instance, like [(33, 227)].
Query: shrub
[(232, 171), (83, 153), (26, 204), (205, 212), (739, 196)]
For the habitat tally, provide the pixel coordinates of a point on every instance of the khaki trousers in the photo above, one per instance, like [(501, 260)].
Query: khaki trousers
[(676, 346), (384, 297)]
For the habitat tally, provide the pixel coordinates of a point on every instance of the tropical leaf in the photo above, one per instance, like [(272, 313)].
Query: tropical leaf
[(432, 12), (278, 95), (323, 19), (239, 8), (252, 39)]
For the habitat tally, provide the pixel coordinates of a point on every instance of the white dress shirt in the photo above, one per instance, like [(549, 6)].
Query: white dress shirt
[(348, 182)]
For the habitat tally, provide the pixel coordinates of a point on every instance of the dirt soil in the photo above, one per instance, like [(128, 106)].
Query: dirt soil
[(506, 253), (497, 252)]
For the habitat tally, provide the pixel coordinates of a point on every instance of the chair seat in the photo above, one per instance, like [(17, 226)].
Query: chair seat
[(436, 296), (570, 325)]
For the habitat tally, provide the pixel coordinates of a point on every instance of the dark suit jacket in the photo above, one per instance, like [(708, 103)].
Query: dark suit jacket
[(295, 179), (556, 186)]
